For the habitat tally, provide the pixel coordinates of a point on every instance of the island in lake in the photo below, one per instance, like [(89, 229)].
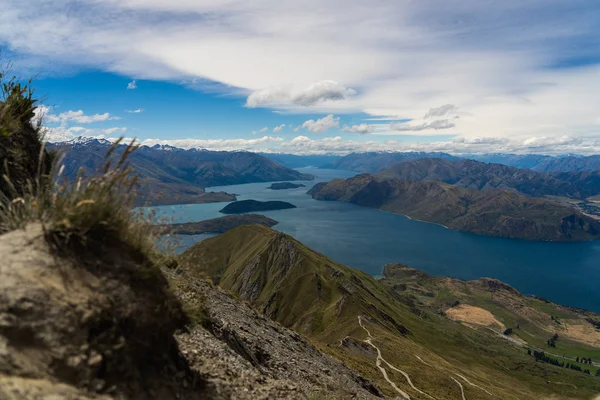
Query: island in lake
[(285, 185), (244, 206), (216, 225)]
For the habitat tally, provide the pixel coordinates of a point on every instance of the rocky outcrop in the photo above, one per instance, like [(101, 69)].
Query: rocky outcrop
[(107, 326), (248, 356), (86, 327)]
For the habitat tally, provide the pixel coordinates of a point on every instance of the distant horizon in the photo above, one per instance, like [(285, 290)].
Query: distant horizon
[(468, 77), (154, 143)]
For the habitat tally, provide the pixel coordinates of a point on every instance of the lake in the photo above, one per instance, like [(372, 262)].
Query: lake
[(367, 239)]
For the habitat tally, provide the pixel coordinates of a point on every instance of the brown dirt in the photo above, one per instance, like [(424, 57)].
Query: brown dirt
[(473, 315)]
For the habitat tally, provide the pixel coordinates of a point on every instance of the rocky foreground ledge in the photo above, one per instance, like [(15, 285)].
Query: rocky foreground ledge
[(107, 326)]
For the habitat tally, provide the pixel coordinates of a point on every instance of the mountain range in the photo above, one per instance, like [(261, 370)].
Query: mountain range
[(493, 212), (171, 175), (472, 174), (373, 162)]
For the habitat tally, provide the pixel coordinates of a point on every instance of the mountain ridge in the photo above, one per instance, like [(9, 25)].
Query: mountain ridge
[(492, 212), (410, 322), (170, 175)]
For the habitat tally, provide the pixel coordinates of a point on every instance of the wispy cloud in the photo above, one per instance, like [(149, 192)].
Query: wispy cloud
[(321, 125), (514, 68), (279, 128), (136, 111), (315, 93), (361, 128), (435, 125), (77, 116), (132, 85)]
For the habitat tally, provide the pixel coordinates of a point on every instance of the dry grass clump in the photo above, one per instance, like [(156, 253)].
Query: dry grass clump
[(91, 211)]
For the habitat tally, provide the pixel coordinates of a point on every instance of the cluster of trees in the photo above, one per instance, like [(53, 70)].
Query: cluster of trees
[(541, 356), (555, 319), (552, 340)]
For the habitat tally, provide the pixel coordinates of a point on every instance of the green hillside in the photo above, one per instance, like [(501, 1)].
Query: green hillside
[(407, 319)]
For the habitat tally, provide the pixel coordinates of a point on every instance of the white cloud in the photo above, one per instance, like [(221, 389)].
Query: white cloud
[(441, 111), (62, 133), (279, 128), (40, 114), (336, 145), (78, 117), (501, 66), (263, 130), (435, 125), (216, 144), (317, 92), (361, 128), (136, 111), (132, 85), (321, 125)]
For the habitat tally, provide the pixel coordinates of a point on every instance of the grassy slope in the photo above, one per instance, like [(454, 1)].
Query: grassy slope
[(321, 299)]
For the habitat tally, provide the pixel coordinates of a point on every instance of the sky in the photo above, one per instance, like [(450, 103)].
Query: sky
[(313, 76)]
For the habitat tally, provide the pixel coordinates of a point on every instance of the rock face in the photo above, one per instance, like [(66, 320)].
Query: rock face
[(285, 185), (103, 326), (86, 328), (487, 212), (244, 206), (249, 356), (217, 225)]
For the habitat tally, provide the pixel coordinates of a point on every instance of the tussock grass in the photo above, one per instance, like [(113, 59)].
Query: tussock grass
[(86, 213), (89, 211)]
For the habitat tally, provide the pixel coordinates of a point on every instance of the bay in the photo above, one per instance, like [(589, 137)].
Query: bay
[(367, 239)]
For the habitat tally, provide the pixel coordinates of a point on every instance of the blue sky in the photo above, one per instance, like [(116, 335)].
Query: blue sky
[(316, 77)]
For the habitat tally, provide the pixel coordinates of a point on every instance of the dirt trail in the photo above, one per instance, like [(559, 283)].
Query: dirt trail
[(380, 360), (472, 384), (462, 390)]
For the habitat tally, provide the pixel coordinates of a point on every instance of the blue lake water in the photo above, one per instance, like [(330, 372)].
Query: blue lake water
[(367, 239)]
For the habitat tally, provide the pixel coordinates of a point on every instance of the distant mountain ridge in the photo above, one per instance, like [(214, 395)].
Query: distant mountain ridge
[(492, 212), (569, 163), (180, 175), (372, 162), (472, 174)]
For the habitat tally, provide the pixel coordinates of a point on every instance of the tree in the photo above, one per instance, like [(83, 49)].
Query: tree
[(508, 332), (529, 352)]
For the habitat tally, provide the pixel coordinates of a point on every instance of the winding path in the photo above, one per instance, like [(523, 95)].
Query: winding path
[(472, 384), (462, 390), (381, 360)]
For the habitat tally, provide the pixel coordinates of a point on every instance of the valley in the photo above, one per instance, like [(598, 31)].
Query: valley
[(400, 331)]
